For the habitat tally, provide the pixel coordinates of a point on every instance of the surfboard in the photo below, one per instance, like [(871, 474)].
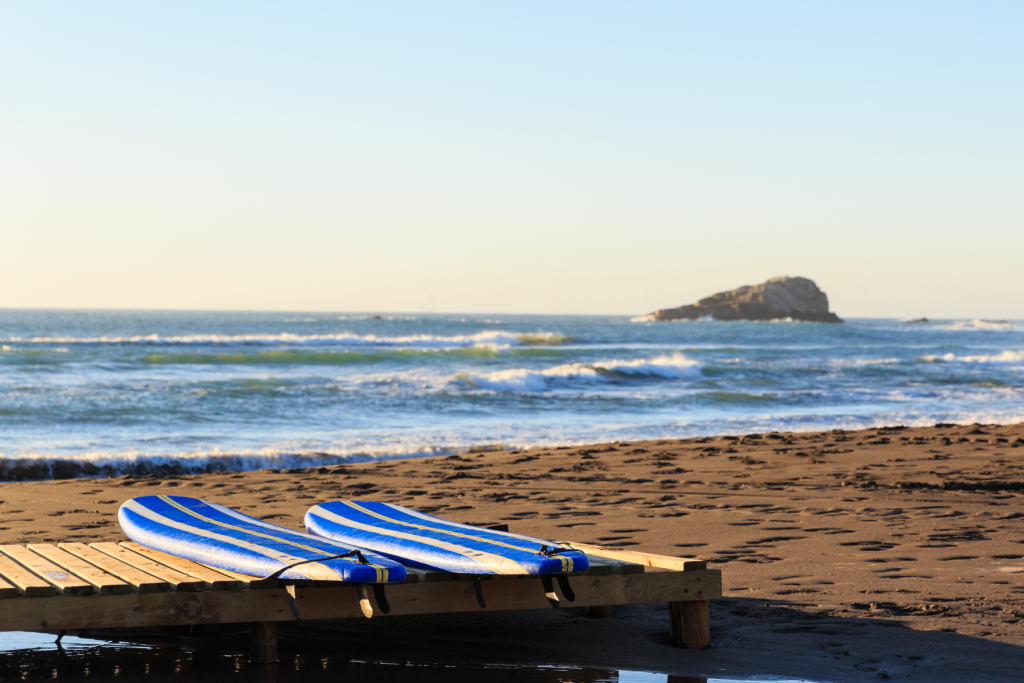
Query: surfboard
[(421, 540), (223, 538)]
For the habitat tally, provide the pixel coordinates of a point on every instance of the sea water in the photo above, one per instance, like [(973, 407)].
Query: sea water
[(35, 657), (96, 393)]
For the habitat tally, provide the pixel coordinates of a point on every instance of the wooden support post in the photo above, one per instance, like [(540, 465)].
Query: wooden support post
[(599, 611), (263, 643), (688, 624)]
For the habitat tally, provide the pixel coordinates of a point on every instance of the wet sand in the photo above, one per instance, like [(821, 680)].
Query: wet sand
[(845, 555)]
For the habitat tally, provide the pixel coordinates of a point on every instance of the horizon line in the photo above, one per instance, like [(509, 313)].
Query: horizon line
[(440, 313)]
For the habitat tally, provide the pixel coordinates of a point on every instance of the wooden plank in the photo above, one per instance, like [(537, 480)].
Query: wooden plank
[(214, 579), (8, 590), (25, 582), (602, 566), (684, 564), (676, 637), (222, 607), (253, 583), (695, 627), (137, 580), (62, 580), (179, 582), (145, 609), (457, 596), (102, 583), (263, 643)]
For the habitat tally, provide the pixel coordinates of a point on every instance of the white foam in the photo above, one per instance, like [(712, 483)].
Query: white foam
[(491, 339), (1004, 358), (676, 366), (978, 324), (650, 317), (34, 465), (509, 436), (519, 380)]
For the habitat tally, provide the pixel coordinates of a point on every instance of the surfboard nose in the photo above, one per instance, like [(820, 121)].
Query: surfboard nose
[(222, 538)]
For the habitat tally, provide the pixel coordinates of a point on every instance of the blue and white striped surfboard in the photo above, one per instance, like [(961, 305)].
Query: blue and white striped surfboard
[(429, 542), (226, 539)]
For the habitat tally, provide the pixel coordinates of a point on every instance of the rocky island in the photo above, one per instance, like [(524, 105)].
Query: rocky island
[(797, 298)]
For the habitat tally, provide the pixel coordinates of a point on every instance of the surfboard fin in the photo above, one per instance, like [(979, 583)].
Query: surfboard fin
[(549, 590), (563, 585), (293, 601), (381, 598), (478, 588), (364, 600)]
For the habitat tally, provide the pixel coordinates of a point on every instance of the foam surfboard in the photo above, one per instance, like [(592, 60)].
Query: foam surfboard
[(222, 538), (420, 540)]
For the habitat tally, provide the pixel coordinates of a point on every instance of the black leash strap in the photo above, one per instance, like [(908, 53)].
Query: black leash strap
[(350, 553), (552, 551)]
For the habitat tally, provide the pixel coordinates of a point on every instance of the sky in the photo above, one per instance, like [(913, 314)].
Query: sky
[(571, 157)]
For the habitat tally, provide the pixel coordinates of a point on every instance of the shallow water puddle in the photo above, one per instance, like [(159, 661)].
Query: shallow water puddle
[(36, 657)]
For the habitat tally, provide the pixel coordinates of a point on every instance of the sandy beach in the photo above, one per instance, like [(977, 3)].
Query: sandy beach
[(846, 555)]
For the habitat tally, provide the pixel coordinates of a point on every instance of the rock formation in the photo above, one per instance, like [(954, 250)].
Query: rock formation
[(779, 298)]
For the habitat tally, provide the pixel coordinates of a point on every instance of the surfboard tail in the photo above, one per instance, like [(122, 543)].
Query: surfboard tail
[(422, 540)]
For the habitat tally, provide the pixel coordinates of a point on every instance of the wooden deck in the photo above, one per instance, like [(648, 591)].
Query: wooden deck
[(74, 586)]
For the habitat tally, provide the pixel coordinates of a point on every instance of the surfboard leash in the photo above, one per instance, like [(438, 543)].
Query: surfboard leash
[(552, 551), (357, 553)]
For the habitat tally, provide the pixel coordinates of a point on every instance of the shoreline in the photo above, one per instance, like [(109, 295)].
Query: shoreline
[(902, 546), (39, 468)]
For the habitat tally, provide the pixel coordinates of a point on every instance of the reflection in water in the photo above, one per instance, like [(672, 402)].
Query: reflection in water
[(34, 657)]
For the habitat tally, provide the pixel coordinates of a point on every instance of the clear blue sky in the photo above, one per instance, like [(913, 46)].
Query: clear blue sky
[(573, 157)]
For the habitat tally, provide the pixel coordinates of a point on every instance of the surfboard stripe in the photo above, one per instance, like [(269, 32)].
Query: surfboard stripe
[(422, 540), (223, 538), (312, 565), (269, 553), (277, 529), (566, 562), (497, 563), (529, 544), (437, 520)]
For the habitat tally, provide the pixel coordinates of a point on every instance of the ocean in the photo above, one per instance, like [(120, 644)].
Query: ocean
[(104, 393)]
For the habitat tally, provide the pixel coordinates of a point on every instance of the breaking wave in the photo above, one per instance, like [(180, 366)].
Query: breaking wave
[(34, 467), (482, 339), (676, 366), (1004, 358), (979, 324), (333, 357)]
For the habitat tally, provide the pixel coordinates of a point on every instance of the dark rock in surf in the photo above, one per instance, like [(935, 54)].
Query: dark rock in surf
[(796, 298)]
